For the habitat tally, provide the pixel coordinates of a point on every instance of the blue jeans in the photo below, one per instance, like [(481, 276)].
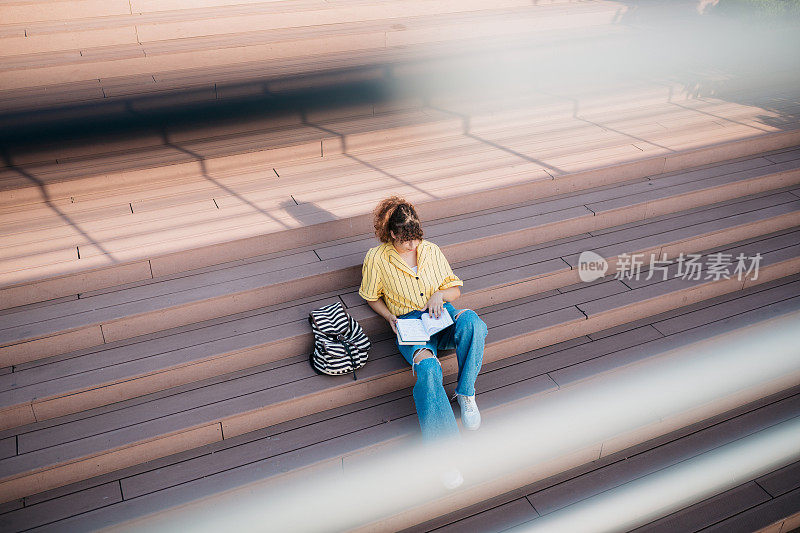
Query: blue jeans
[(466, 336)]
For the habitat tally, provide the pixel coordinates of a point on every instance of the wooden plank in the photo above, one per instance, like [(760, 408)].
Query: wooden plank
[(7, 507), (781, 481), (271, 456), (435, 182), (539, 361), (782, 157), (716, 152), (686, 321), (677, 235), (169, 288), (43, 217), (182, 132), (714, 509), (73, 504), (663, 456), (72, 280), (16, 259), (105, 360), (760, 198), (502, 517), (148, 6), (146, 380), (52, 42), (712, 185), (143, 64), (110, 459), (780, 208), (201, 454), (69, 298), (313, 14), (8, 447), (679, 177), (36, 447), (760, 516), (693, 307), (52, 345), (674, 241), (73, 9), (521, 24), (620, 359), (690, 291), (69, 153)]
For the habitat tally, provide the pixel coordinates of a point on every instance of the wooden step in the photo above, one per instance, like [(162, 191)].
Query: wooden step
[(284, 43), (143, 27), (25, 157), (559, 451), (350, 431), (199, 158), (55, 280), (80, 324), (770, 508), (525, 505), (51, 388), (109, 442), (128, 96), (245, 187), (81, 153), (65, 186), (20, 12), (64, 153)]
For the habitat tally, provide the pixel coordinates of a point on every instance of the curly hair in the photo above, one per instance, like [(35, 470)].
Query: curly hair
[(396, 215)]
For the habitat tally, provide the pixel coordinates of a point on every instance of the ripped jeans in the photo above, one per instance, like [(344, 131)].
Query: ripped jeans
[(466, 336)]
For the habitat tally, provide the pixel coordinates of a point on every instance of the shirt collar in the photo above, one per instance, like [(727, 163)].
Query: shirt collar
[(398, 261)]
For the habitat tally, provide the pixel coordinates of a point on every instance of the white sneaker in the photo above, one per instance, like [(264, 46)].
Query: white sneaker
[(451, 478), (470, 416)]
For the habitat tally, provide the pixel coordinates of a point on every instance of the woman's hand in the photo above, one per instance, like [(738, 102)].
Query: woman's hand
[(392, 320), (435, 304)]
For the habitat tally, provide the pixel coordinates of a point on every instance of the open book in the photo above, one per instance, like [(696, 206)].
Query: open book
[(419, 330)]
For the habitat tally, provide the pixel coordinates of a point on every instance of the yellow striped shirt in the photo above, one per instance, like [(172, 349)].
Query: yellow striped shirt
[(385, 273)]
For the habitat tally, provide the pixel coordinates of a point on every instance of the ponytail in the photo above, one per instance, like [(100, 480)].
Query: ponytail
[(394, 214)]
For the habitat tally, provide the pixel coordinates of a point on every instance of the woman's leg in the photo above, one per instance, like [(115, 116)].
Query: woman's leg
[(468, 339), (436, 418)]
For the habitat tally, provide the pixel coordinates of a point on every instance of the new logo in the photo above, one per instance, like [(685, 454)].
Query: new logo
[(591, 266)]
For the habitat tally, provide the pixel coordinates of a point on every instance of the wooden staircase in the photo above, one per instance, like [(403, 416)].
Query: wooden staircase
[(155, 281)]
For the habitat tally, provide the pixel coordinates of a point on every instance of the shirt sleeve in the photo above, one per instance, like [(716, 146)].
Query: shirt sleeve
[(450, 279), (371, 286)]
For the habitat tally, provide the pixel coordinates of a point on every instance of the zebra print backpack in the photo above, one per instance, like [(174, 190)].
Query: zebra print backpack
[(340, 344)]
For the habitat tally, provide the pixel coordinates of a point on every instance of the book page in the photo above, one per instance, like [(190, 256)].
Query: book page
[(433, 324), (411, 329)]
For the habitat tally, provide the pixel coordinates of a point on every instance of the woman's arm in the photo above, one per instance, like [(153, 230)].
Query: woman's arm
[(435, 304), (450, 294), (440, 296), (379, 306)]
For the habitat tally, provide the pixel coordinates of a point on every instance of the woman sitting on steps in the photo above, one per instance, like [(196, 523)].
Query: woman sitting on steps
[(405, 276)]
